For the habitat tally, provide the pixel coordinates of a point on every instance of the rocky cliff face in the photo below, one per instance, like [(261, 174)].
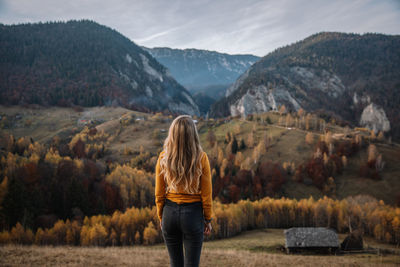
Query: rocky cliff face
[(355, 78), (374, 118), (260, 99), (84, 63)]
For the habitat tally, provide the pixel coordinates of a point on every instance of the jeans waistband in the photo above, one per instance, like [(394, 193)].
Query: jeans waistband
[(172, 203)]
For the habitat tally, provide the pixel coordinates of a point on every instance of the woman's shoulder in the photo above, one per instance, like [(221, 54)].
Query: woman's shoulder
[(204, 156), (161, 155)]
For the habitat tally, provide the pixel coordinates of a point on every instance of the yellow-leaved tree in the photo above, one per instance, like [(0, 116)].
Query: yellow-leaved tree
[(136, 187), (150, 234)]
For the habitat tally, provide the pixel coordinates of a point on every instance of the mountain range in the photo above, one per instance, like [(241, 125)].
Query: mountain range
[(350, 77), (198, 70), (84, 63)]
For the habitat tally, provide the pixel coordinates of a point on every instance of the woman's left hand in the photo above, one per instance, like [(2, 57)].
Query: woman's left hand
[(207, 228)]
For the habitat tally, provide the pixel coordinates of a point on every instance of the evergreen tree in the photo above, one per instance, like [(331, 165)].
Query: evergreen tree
[(14, 204), (234, 145)]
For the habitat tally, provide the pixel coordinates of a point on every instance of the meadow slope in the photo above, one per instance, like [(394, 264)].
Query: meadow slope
[(286, 144), (252, 248)]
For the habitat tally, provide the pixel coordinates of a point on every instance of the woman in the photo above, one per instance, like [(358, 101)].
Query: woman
[(183, 193)]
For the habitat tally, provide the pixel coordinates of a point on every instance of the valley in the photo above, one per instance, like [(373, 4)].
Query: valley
[(306, 136)]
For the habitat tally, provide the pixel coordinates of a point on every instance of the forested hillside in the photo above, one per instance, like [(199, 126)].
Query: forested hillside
[(83, 63), (92, 183), (350, 77)]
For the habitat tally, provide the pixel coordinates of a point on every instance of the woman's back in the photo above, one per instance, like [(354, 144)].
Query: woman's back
[(183, 192), (179, 196)]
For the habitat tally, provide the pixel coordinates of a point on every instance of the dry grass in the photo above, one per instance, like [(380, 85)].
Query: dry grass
[(148, 256), (140, 134), (349, 183), (48, 122), (252, 248)]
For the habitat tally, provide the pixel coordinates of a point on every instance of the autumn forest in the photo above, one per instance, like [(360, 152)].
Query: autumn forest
[(78, 189)]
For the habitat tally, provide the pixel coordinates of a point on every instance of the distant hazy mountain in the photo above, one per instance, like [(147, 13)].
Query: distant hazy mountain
[(354, 77), (84, 63), (203, 73), (197, 69)]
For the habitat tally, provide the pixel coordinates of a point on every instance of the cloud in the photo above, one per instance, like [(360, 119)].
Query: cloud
[(157, 35), (231, 26)]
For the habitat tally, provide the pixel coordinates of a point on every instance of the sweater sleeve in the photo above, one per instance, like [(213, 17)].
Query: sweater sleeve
[(206, 188), (159, 189)]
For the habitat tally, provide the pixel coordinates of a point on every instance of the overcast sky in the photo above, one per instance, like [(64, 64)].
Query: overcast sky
[(231, 26)]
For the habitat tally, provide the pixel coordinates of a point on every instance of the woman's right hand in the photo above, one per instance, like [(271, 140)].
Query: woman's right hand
[(207, 228)]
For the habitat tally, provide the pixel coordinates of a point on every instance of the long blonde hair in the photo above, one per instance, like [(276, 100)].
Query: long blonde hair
[(181, 163)]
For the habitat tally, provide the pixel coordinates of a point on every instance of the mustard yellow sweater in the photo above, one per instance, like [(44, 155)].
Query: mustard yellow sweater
[(205, 195)]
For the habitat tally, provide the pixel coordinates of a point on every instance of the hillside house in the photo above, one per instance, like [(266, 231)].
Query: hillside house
[(311, 238)]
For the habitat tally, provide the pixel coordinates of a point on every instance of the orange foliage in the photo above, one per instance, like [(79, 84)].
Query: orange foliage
[(135, 225)]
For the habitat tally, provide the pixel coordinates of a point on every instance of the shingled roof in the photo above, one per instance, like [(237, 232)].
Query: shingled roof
[(303, 237)]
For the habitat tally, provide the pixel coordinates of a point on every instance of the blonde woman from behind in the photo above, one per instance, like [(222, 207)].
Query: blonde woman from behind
[(183, 193)]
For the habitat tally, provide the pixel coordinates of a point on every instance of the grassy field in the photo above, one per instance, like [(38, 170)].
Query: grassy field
[(42, 124), (252, 248)]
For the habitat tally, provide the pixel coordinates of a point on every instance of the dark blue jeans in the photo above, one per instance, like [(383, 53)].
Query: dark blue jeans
[(182, 227)]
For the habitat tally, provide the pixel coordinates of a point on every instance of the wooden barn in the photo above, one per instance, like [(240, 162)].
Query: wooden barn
[(311, 238)]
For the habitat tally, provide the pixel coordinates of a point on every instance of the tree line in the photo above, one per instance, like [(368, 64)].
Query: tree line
[(137, 226)]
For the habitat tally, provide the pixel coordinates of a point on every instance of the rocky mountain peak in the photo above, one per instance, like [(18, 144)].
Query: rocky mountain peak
[(354, 78)]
